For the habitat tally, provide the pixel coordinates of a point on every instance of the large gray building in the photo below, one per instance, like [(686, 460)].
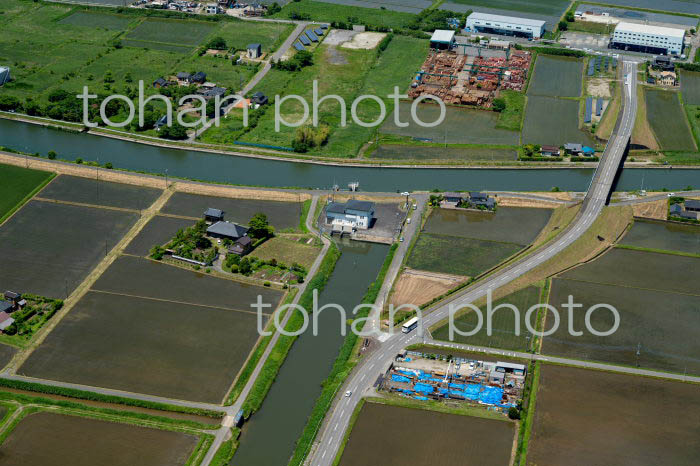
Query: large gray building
[(506, 25)]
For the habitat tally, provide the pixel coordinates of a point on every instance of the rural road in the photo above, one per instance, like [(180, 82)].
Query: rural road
[(258, 76), (364, 375)]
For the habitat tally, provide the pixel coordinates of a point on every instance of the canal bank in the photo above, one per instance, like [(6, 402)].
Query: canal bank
[(219, 168), (269, 437)]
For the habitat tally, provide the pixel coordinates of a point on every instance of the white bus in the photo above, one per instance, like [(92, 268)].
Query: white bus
[(410, 325)]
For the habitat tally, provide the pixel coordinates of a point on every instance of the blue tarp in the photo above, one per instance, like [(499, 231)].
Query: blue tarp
[(421, 398), (399, 378), (491, 395), (423, 388), (588, 150)]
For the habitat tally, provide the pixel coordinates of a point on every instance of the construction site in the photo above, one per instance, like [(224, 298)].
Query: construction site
[(470, 79), (421, 376)]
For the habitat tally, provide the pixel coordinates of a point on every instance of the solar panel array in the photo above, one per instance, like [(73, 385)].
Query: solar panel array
[(589, 110), (304, 40), (599, 107), (298, 46), (311, 35)]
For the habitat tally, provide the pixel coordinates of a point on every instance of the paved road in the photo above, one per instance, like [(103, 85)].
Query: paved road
[(361, 380), (658, 197), (259, 76)]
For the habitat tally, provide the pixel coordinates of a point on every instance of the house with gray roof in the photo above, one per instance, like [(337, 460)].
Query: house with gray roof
[(213, 215), (692, 205), (227, 230), (5, 320), (351, 214)]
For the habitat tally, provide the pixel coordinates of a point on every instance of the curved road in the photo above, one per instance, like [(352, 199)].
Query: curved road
[(367, 371)]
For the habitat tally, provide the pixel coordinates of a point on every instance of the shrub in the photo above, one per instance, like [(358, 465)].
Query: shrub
[(513, 413), (51, 155)]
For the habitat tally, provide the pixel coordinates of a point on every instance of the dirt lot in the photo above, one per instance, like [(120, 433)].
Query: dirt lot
[(48, 248), (364, 41), (418, 287), (281, 215), (588, 418), (91, 191), (598, 87), (381, 436), (654, 209), (54, 439), (141, 345)]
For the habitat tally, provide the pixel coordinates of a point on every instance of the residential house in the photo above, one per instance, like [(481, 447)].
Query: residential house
[(227, 230), (183, 78), (15, 299), (481, 200), (552, 151), (212, 215), (259, 98), (5, 320), (199, 77), (664, 63), (667, 78), (676, 210), (242, 246), (351, 214), (573, 149), (213, 9), (254, 51), (210, 93), (692, 205), (452, 199), (6, 307), (160, 82)]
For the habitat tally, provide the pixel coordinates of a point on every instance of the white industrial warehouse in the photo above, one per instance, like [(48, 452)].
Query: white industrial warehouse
[(649, 39), (508, 25)]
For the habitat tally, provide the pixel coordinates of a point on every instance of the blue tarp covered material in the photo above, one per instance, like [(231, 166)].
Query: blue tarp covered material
[(472, 391), (423, 388), (421, 398), (408, 392), (408, 359), (407, 372), (442, 391), (588, 150), (458, 386), (399, 378), (491, 395)]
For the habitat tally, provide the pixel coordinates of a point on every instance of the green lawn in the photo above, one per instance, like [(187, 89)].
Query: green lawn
[(17, 184), (329, 12), (288, 251)]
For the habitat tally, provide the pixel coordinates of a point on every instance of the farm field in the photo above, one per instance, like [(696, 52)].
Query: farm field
[(668, 121), (65, 48), (135, 276), (556, 77), (409, 152), (49, 248), (329, 12), (158, 231), (647, 16), (553, 121), (690, 87), (589, 417), (644, 270), (406, 6), (463, 440), (281, 215), (6, 354), (103, 193), (657, 328), (503, 333), (419, 287), (677, 6), (519, 225), (17, 184), (347, 73), (81, 441), (663, 235), (162, 347), (457, 255), (287, 250), (461, 126)]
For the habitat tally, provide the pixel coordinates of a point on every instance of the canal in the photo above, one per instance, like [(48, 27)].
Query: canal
[(273, 173), (269, 437)]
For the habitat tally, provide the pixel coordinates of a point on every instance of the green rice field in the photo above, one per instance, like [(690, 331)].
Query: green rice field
[(457, 255), (663, 236), (463, 440), (98, 192), (553, 121), (93, 19), (519, 225), (690, 87), (17, 184), (504, 326), (168, 31), (668, 121), (409, 152), (461, 126), (556, 77)]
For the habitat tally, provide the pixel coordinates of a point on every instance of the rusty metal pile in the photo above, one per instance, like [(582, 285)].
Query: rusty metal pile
[(475, 81)]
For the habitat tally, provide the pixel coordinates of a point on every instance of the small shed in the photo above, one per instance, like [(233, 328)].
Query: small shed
[(550, 150), (451, 197), (572, 148), (692, 205), (5, 320), (442, 39), (199, 77), (254, 50), (213, 215), (6, 306), (242, 246), (160, 82), (259, 98)]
